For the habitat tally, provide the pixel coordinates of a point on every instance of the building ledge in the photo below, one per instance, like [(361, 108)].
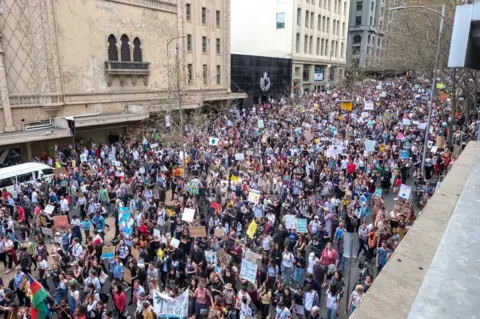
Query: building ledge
[(135, 70), (106, 119), (435, 272), (19, 137), (228, 96)]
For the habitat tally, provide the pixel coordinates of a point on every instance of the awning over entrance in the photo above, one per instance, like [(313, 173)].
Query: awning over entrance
[(32, 136), (105, 119)]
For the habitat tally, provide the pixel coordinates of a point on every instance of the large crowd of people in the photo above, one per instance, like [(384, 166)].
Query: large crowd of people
[(275, 188)]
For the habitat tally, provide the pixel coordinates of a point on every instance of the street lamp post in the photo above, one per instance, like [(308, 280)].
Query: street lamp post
[(434, 81), (179, 95)]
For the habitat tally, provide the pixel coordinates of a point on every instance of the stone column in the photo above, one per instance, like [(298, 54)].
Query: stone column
[(7, 112)]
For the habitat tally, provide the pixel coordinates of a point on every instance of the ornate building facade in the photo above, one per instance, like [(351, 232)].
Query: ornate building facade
[(106, 63)]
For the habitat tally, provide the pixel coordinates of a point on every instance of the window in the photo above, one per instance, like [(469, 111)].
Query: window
[(338, 27), (189, 12), (371, 20), (313, 2), (218, 46), (323, 23), (322, 47), (190, 73), (307, 18), (305, 45), (299, 16), (312, 19), (137, 50), (326, 48), (357, 39), (356, 50), (281, 20), (204, 15), (318, 46), (319, 22), (339, 7), (125, 48), (335, 6), (334, 25), (297, 71), (336, 49), (217, 18), (297, 43), (372, 6), (112, 48), (24, 178), (47, 171), (344, 8), (329, 5), (378, 42), (358, 20), (328, 24), (205, 74), (310, 45), (204, 44), (306, 73), (368, 50), (343, 28), (189, 42), (369, 39), (219, 77)]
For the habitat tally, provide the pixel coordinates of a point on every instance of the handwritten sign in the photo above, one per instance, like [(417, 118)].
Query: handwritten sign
[(188, 214), (248, 271), (197, 231), (108, 252), (253, 196), (368, 106), (154, 145), (174, 242), (260, 124), (60, 222), (47, 231), (239, 156), (210, 256), (156, 232), (253, 257), (219, 232), (290, 221), (301, 225), (59, 171), (405, 191), (252, 228), (165, 306), (49, 209), (116, 163), (223, 257)]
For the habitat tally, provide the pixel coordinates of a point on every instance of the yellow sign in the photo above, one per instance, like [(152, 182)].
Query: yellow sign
[(252, 228), (382, 148), (170, 212), (346, 105), (440, 85), (234, 179), (315, 106)]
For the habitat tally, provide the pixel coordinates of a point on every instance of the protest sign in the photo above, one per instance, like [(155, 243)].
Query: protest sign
[(405, 154), (108, 252), (234, 179), (307, 125), (252, 257), (252, 228), (378, 192), (154, 145), (405, 191), (156, 232), (239, 156), (301, 225), (219, 232), (47, 231), (290, 221), (60, 221), (434, 149), (197, 231), (346, 105), (254, 196), (116, 163), (440, 141), (370, 146), (83, 158), (248, 271), (188, 215), (135, 253), (406, 122), (422, 126), (213, 141), (368, 106), (127, 275), (223, 257), (49, 209), (211, 256), (59, 171), (174, 242), (260, 124), (430, 144), (165, 306)]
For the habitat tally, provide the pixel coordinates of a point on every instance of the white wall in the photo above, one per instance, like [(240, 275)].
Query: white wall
[(253, 27)]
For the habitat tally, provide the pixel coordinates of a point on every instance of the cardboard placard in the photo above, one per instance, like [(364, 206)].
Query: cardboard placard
[(127, 275), (59, 171), (60, 221), (219, 233), (174, 242), (197, 231), (108, 252), (223, 257), (47, 231), (188, 214), (49, 209), (440, 141), (135, 253), (249, 271)]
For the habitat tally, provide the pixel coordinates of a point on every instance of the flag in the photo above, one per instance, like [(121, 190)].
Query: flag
[(38, 309), (213, 141)]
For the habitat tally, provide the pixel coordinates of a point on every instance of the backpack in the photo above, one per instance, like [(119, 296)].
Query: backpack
[(103, 297)]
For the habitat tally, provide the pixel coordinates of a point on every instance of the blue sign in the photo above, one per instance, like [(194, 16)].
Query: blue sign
[(405, 154), (301, 225)]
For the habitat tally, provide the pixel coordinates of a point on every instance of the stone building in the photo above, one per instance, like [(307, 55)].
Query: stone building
[(107, 64)]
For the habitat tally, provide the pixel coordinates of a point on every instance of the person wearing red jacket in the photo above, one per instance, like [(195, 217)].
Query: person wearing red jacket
[(119, 301), (351, 167)]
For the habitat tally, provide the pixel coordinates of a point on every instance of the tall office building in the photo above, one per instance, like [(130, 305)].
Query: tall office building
[(366, 30), (307, 37)]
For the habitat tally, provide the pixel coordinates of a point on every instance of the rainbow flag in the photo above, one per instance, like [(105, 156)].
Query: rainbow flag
[(38, 308)]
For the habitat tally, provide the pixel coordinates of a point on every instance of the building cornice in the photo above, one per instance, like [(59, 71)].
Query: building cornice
[(159, 5)]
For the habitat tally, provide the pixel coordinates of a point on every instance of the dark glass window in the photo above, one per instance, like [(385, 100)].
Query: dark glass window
[(137, 50), (112, 48)]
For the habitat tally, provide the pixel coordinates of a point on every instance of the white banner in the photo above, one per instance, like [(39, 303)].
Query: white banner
[(166, 306), (248, 271)]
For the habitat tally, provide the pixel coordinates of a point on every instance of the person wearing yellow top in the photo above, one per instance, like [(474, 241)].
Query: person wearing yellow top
[(265, 299)]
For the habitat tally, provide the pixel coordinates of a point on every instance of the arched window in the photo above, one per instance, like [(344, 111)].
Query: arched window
[(125, 49), (137, 50), (357, 39), (112, 48), (369, 39)]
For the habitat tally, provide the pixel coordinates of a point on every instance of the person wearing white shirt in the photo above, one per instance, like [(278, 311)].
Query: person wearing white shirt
[(77, 249), (64, 205)]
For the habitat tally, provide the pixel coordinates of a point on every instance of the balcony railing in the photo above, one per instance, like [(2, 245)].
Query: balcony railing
[(124, 69)]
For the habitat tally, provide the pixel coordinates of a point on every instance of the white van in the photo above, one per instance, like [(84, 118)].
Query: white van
[(22, 174)]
